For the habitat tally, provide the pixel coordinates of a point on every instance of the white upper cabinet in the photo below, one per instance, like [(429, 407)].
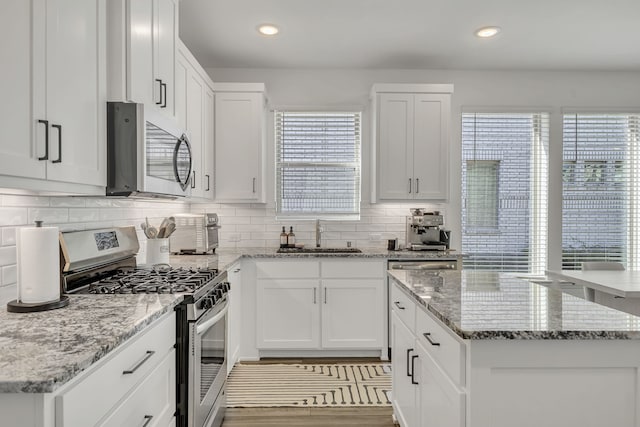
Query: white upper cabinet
[(240, 142), (194, 112), (411, 141), (54, 95), (142, 52)]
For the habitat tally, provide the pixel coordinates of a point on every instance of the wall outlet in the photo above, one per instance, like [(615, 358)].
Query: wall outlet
[(375, 236), (234, 237)]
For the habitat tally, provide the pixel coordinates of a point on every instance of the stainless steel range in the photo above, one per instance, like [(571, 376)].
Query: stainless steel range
[(103, 262)]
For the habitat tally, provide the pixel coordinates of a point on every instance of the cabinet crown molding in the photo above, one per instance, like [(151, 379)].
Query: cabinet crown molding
[(378, 88)]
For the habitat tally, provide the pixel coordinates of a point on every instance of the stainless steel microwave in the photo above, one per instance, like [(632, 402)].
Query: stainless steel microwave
[(147, 154)]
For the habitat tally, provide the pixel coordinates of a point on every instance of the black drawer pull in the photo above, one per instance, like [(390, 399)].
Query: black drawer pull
[(409, 373), (59, 159), (413, 369), (159, 92), (148, 419), (427, 335), (46, 139), (397, 304), (163, 95), (140, 363), (208, 186)]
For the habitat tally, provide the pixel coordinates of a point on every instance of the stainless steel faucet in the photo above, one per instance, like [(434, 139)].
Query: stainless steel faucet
[(318, 233)]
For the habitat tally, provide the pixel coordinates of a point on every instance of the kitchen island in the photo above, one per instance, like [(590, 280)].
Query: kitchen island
[(486, 349)]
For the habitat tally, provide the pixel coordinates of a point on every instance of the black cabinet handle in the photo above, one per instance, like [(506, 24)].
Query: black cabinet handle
[(46, 139), (148, 419), (59, 159), (159, 92), (417, 185), (409, 373), (409, 185), (163, 95), (413, 369), (397, 304), (140, 363), (193, 180), (427, 335), (208, 186)]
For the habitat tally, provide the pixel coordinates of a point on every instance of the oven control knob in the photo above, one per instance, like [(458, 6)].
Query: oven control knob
[(219, 293), (226, 286), (206, 303)]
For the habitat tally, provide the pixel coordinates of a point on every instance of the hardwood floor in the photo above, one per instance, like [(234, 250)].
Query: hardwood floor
[(308, 417)]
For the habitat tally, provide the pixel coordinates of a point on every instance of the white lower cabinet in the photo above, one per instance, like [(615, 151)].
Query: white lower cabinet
[(234, 327), (135, 385), (320, 305), (288, 314), (441, 403), (404, 393)]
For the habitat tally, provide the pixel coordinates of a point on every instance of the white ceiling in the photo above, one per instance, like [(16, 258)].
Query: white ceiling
[(410, 34)]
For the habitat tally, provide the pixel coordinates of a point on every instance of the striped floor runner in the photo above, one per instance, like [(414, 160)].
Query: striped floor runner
[(330, 385)]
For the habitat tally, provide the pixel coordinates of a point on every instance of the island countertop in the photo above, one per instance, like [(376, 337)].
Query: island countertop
[(492, 305), (43, 350)]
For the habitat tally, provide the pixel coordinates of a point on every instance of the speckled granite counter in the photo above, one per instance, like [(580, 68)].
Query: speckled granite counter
[(41, 351), (490, 305)]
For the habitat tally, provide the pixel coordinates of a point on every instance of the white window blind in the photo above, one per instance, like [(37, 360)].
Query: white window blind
[(601, 172), (318, 164), (504, 191)]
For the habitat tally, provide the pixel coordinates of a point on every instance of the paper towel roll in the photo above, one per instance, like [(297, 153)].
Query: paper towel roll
[(38, 264)]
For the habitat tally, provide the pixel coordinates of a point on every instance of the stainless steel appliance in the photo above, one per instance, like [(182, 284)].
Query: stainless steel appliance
[(195, 233), (103, 262), (147, 154), (424, 231)]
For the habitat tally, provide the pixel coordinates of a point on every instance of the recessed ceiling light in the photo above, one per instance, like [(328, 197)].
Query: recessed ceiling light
[(487, 32), (268, 30)]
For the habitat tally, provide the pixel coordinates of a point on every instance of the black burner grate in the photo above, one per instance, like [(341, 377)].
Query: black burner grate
[(153, 281)]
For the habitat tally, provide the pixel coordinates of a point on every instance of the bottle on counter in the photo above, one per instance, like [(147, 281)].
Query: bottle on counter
[(283, 238), (291, 238)]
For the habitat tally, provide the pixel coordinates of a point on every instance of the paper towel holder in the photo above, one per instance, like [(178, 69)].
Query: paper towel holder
[(16, 306)]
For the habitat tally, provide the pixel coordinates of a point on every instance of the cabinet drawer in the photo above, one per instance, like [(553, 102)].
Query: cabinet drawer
[(404, 307), (154, 400), (79, 406), (295, 269), (445, 349), (348, 269)]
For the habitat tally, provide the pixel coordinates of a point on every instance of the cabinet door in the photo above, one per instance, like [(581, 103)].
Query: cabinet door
[(395, 147), (234, 326), (22, 50), (441, 403), (430, 147), (208, 142), (139, 58), (352, 313), (239, 151), (182, 65), (164, 36), (404, 392), (195, 102), (288, 314), (76, 91)]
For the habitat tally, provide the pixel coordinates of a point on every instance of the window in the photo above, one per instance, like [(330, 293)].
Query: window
[(482, 194), (601, 210), (504, 191), (318, 164)]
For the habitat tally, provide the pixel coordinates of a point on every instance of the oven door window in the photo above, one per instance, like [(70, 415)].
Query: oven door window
[(212, 356)]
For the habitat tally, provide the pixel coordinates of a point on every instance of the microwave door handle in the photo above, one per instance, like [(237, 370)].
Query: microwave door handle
[(207, 324)]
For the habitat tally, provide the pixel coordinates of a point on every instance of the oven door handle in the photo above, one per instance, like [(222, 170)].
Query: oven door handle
[(204, 326)]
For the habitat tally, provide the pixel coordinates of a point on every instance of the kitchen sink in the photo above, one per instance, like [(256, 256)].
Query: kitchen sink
[(319, 251)]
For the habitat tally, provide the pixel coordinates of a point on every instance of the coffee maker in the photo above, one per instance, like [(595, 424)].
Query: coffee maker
[(424, 231)]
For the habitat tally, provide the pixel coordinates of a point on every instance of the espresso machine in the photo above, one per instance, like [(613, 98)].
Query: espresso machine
[(424, 231)]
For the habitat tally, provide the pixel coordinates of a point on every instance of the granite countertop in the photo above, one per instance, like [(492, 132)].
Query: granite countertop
[(43, 350), (491, 305)]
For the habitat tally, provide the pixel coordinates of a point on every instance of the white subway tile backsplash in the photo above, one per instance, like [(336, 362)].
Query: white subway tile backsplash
[(14, 216), (84, 214), (7, 255), (8, 236), (13, 200), (48, 215), (67, 202), (9, 274)]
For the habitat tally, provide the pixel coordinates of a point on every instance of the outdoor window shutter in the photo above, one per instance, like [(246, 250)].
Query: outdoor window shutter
[(601, 171), (504, 191), (318, 164)]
